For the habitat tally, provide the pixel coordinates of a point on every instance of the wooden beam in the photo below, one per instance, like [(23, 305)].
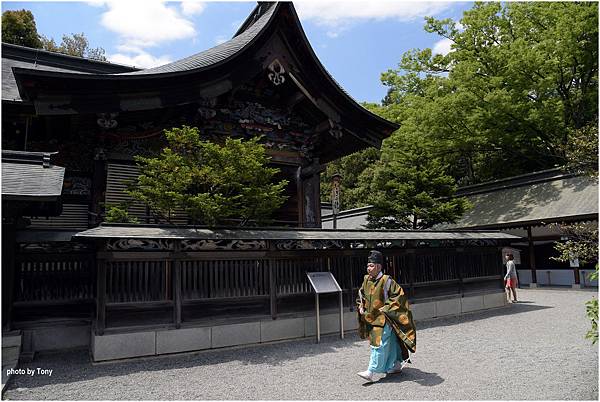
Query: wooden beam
[(293, 100)]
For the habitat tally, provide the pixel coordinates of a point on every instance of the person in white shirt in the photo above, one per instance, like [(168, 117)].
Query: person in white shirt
[(511, 277)]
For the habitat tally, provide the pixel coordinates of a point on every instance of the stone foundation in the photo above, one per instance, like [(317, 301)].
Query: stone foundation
[(165, 341)]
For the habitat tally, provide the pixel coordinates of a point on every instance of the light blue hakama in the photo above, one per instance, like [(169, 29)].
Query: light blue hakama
[(385, 356)]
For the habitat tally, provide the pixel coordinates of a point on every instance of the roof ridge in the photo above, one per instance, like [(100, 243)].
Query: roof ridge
[(41, 158), (516, 181), (259, 10), (36, 52)]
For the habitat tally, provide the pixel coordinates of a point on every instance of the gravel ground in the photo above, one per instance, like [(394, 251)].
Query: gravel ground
[(531, 350)]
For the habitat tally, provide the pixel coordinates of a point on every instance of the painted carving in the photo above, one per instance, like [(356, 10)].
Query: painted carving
[(107, 120), (54, 247), (207, 245), (309, 244), (336, 131), (207, 113), (75, 185), (139, 244)]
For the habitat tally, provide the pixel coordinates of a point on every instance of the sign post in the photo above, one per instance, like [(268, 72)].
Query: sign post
[(324, 282)]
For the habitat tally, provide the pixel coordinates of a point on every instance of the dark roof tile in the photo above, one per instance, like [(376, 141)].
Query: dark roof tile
[(30, 174)]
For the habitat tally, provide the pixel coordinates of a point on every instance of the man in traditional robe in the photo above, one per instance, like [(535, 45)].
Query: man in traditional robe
[(385, 319)]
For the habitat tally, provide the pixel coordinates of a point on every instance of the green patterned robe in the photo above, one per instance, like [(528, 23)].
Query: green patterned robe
[(394, 310)]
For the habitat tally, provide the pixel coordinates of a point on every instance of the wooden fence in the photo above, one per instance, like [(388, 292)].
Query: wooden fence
[(170, 288), (54, 285), (123, 289)]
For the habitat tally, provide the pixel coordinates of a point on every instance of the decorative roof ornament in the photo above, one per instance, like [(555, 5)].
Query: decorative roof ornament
[(206, 113), (276, 73), (335, 130), (107, 120)]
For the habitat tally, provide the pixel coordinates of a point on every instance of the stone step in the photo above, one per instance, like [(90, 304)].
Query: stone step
[(10, 354)]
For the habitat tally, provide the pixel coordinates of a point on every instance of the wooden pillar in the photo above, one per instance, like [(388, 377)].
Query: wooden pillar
[(300, 196), (9, 248), (412, 267), (176, 263), (531, 258), (101, 298), (98, 188), (310, 180), (459, 270), (272, 282), (576, 275), (351, 299)]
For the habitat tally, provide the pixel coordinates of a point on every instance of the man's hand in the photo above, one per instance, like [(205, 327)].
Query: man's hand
[(361, 310)]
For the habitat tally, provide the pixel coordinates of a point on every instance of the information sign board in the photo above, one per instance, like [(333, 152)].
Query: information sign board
[(323, 282)]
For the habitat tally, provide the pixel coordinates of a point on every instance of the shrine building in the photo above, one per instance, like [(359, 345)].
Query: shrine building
[(126, 290)]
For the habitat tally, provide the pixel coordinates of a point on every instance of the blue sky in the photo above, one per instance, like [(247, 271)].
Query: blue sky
[(355, 40)]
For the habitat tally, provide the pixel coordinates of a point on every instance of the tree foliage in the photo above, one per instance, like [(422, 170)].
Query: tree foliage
[(74, 45), (520, 76), (410, 189), (517, 93), (583, 245), (355, 178), (18, 28), (581, 150), (212, 183)]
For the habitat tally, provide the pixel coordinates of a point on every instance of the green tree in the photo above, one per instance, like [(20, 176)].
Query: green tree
[(582, 244), (212, 183), (355, 184), (18, 28), (581, 150), (519, 76), (581, 155), (409, 189), (74, 45)]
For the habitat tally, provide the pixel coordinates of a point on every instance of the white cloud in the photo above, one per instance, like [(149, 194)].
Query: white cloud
[(142, 24), (339, 15), (146, 23), (192, 7), (140, 59), (442, 47)]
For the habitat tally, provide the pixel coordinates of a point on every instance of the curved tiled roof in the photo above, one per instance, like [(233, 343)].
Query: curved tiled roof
[(9, 85), (43, 60), (220, 52), (249, 33)]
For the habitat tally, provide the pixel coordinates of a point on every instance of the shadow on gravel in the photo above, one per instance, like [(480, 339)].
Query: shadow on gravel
[(410, 374), (75, 365), (511, 309)]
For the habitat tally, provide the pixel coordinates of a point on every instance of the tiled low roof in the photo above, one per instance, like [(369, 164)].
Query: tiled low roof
[(558, 197), (169, 232), (533, 198), (30, 175)]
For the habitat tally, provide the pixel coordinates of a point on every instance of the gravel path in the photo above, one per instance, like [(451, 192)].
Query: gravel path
[(532, 350)]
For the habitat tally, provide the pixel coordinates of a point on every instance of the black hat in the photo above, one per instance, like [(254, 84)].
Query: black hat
[(375, 257)]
